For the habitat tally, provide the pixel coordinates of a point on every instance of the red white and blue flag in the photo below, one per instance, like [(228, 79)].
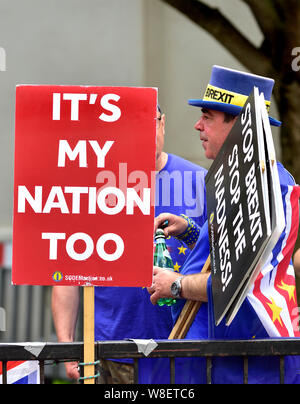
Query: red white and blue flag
[(273, 295), (21, 372), (270, 309)]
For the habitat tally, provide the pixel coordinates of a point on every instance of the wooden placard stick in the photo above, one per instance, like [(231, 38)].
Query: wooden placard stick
[(188, 313), (89, 334)]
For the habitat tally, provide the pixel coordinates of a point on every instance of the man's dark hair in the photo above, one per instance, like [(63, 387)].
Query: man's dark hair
[(228, 117)]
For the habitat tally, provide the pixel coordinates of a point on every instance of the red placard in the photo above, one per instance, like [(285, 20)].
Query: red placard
[(84, 164)]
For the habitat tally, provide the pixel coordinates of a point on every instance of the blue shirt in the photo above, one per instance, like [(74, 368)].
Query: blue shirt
[(122, 313)]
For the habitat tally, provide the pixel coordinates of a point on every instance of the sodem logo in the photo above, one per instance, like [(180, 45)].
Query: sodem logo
[(57, 276)]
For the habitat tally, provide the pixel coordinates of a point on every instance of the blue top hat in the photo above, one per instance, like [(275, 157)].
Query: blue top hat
[(229, 89)]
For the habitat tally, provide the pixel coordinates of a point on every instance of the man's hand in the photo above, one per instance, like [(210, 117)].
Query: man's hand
[(176, 224), (72, 370), (193, 287), (162, 281)]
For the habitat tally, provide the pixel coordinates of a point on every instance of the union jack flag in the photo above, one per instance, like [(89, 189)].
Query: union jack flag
[(21, 372), (273, 295)]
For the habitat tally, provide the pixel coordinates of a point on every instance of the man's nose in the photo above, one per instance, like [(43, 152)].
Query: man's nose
[(199, 125)]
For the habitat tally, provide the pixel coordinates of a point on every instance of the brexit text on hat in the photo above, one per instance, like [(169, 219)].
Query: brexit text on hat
[(227, 97), (218, 95)]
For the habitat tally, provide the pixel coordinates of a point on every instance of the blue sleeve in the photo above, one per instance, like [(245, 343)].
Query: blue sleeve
[(199, 254)]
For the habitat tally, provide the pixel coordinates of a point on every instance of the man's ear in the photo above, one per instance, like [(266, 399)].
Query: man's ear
[(163, 122)]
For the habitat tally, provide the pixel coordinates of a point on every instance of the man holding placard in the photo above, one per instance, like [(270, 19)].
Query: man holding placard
[(270, 307)]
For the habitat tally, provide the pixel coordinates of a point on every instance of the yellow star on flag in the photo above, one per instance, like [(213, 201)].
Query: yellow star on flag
[(177, 267), (288, 288), (182, 250), (276, 311)]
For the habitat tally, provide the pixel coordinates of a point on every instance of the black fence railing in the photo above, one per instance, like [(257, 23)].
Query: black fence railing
[(61, 352)]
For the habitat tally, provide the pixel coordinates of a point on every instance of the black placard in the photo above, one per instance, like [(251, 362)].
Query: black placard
[(238, 207)]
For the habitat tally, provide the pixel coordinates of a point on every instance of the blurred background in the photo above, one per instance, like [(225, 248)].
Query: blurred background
[(102, 42)]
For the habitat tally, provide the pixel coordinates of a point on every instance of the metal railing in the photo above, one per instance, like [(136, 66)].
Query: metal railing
[(59, 352)]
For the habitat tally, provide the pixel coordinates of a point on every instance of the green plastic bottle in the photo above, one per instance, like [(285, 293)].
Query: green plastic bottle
[(162, 259)]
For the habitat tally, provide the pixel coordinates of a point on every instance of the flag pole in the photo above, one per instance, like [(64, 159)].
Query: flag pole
[(89, 335), (188, 312)]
